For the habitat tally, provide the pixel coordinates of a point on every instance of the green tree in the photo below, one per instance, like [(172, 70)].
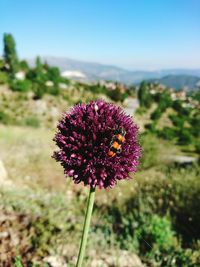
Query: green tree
[(164, 100), (3, 74), (178, 121), (156, 115), (144, 95), (37, 74), (24, 65), (10, 54), (117, 95), (184, 136), (195, 124), (38, 77), (151, 127), (38, 63), (53, 74), (2, 63), (168, 133), (38, 90)]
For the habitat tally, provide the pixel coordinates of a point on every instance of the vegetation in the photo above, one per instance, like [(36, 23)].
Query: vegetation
[(155, 215), (184, 119), (44, 79), (144, 95), (10, 54)]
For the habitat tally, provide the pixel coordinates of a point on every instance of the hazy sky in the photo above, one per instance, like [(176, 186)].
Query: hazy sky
[(136, 34)]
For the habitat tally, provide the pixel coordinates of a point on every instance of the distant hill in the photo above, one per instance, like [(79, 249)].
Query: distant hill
[(179, 81), (94, 71)]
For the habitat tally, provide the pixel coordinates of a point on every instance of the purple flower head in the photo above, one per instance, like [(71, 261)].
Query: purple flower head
[(85, 137)]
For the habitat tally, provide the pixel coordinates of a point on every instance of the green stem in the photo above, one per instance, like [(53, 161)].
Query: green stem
[(86, 227)]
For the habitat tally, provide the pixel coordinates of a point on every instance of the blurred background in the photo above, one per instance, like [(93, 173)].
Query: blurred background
[(141, 55)]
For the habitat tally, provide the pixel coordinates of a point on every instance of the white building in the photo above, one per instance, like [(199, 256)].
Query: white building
[(20, 75)]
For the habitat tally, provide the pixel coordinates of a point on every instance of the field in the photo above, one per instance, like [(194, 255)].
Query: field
[(42, 212)]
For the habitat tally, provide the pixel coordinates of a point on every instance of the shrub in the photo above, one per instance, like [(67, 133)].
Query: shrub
[(2, 63), (184, 136), (197, 147), (196, 95), (20, 86), (54, 90), (157, 233), (160, 220), (4, 117), (174, 256), (3, 77), (178, 121), (168, 133), (144, 95), (151, 127), (177, 105), (171, 195), (195, 125), (156, 115), (38, 90), (164, 100), (97, 89), (117, 95)]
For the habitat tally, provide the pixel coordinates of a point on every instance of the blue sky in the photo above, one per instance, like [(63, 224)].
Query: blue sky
[(135, 34)]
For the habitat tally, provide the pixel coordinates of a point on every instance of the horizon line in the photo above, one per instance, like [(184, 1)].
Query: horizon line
[(112, 64)]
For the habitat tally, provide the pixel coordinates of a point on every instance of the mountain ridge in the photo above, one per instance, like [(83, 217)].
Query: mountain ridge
[(96, 71), (190, 82)]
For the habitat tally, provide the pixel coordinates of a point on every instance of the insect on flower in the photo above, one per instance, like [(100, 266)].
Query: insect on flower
[(90, 136), (117, 141)]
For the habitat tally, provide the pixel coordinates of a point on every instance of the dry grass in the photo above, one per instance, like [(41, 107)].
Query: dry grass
[(26, 153), (54, 207)]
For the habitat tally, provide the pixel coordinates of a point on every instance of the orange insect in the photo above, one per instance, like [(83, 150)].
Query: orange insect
[(117, 142)]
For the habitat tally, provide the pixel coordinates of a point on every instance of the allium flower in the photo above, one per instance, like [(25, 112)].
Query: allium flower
[(84, 137)]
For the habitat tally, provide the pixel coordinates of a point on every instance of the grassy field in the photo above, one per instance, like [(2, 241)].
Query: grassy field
[(42, 212)]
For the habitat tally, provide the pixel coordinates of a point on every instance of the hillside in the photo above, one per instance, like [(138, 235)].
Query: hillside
[(179, 81), (150, 220), (95, 71)]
